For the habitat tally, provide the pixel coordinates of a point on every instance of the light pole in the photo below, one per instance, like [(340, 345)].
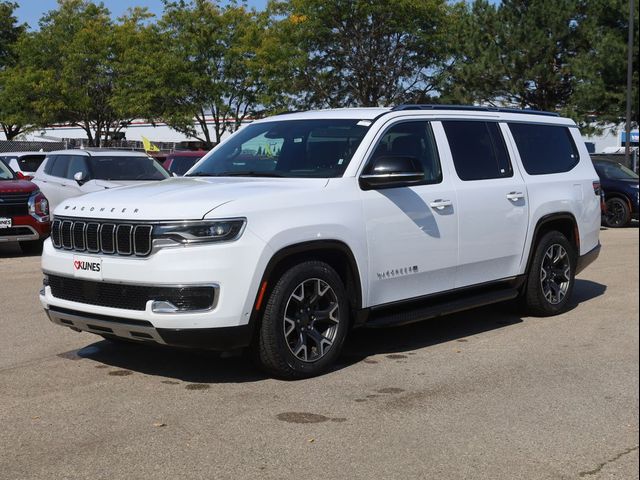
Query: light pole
[(627, 138)]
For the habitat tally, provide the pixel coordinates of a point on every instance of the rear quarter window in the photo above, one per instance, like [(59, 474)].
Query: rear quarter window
[(545, 149)]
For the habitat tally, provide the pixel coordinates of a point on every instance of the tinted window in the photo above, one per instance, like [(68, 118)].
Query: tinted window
[(545, 148), (30, 163), (478, 150), (48, 167), (413, 139), (122, 167), (77, 164), (60, 166), (180, 165), (614, 171), (5, 172)]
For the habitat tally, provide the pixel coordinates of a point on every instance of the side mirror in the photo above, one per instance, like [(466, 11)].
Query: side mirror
[(389, 171), (80, 177), (21, 176)]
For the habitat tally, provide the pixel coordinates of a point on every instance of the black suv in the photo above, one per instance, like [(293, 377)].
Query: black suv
[(620, 186)]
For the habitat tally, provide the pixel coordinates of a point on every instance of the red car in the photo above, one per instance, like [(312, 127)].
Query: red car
[(24, 211), (180, 161)]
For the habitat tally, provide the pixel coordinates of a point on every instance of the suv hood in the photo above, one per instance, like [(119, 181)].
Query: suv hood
[(180, 198), (17, 186)]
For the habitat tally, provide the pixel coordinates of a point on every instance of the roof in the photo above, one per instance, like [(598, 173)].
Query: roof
[(430, 111), (333, 113), (102, 152), (20, 154)]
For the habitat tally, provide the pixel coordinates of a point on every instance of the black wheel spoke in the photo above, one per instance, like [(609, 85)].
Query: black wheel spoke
[(311, 320)]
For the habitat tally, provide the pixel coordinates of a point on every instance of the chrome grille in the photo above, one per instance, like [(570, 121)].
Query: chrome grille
[(94, 236)]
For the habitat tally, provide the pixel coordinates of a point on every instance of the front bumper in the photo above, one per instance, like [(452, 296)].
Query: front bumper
[(219, 339), (25, 228)]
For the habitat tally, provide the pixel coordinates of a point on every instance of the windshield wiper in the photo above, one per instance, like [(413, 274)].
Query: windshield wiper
[(201, 174)]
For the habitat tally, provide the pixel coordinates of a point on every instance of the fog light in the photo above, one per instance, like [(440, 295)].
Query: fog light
[(162, 306)]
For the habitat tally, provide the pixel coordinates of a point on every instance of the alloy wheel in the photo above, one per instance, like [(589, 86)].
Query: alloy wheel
[(555, 274), (311, 320)]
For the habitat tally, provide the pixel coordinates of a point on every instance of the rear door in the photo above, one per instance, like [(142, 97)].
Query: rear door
[(52, 178), (492, 202)]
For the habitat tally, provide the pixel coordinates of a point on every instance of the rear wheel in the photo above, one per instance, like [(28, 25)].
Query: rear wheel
[(304, 322), (617, 214), (551, 276), (33, 247)]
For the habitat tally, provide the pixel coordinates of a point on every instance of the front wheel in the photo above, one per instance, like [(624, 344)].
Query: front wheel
[(551, 276), (304, 323)]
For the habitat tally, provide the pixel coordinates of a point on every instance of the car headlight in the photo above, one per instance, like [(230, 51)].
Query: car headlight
[(222, 230), (38, 206)]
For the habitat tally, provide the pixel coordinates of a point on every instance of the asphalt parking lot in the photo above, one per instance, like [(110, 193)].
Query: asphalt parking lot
[(486, 394)]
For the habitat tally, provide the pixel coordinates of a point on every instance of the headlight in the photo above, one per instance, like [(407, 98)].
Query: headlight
[(223, 230), (38, 206)]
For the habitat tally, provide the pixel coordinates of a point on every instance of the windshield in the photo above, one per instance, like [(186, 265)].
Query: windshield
[(287, 148), (615, 171), (180, 164), (126, 168), (5, 172)]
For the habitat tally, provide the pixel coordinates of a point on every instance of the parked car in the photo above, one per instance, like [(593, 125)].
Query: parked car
[(181, 161), (70, 173), (24, 211), (302, 226), (25, 163), (620, 188)]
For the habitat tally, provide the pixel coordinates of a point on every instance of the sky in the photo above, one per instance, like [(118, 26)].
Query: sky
[(30, 11)]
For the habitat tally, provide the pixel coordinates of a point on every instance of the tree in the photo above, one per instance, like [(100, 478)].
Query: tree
[(519, 53), (600, 97), (362, 52), (79, 68), (212, 67), (13, 117)]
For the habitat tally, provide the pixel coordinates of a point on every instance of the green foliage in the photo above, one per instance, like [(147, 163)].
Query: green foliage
[(220, 63), (361, 52), (519, 53), (214, 69), (12, 116), (600, 94)]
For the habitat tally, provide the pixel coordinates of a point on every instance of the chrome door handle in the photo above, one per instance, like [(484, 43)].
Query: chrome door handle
[(440, 204), (515, 196)]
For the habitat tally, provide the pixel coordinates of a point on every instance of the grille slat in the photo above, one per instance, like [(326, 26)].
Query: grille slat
[(104, 238), (78, 236), (55, 234), (123, 239), (91, 235), (130, 297), (67, 236)]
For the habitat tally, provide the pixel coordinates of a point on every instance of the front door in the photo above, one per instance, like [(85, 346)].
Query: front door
[(412, 231)]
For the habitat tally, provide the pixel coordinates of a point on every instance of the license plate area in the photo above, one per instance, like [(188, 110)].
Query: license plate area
[(6, 222), (85, 266)]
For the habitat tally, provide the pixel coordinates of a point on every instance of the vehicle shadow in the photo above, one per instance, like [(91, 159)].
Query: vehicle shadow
[(13, 250), (209, 367)]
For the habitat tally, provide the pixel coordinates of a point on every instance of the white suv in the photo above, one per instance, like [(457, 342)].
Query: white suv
[(70, 173), (301, 226)]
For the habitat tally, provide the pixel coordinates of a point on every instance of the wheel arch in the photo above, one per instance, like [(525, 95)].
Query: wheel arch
[(563, 222), (333, 252)]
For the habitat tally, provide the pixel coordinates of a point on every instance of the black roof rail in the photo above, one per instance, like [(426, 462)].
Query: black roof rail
[(472, 108)]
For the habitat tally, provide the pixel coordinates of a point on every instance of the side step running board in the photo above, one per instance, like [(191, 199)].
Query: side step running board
[(404, 315)]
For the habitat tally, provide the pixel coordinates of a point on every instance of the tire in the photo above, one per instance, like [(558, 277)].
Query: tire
[(33, 247), (304, 323), (551, 276), (618, 214)]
